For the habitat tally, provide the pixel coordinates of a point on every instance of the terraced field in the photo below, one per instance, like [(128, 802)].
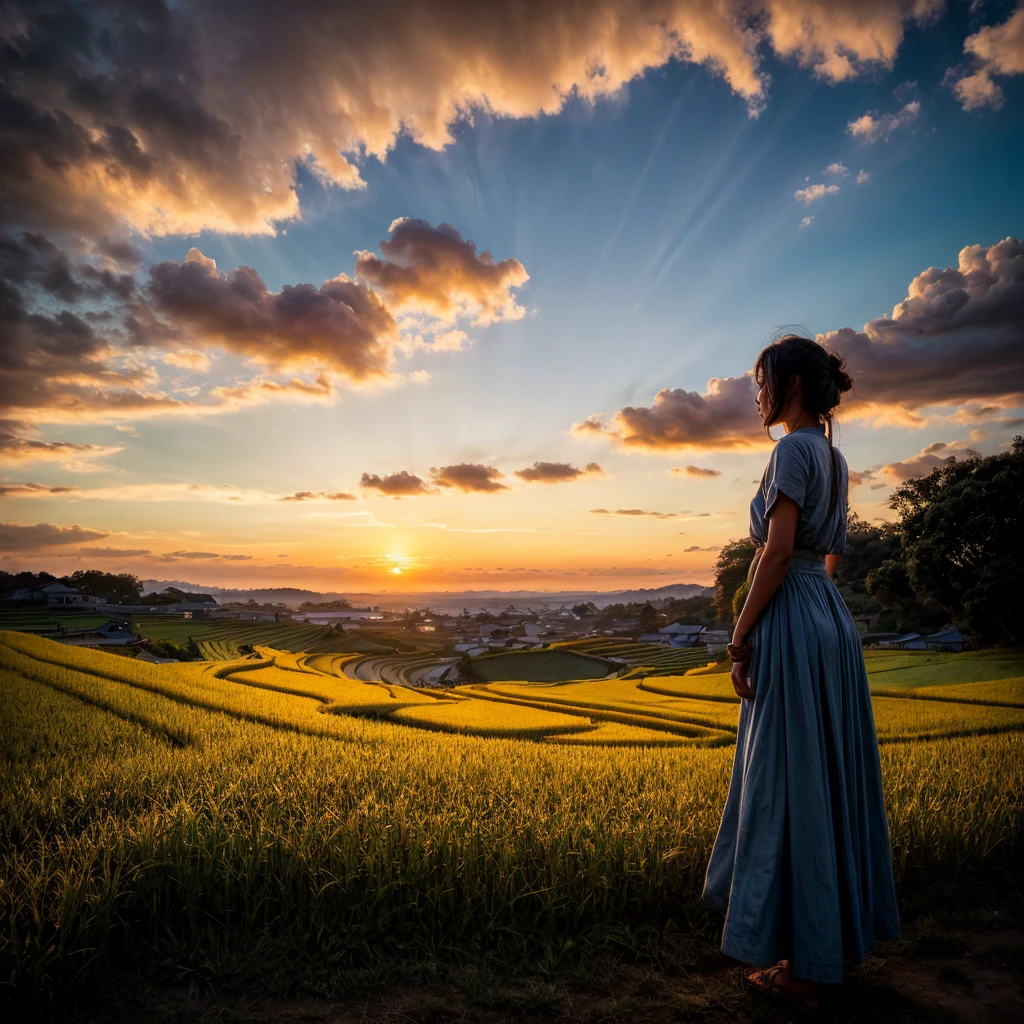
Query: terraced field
[(168, 818), (546, 665), (36, 619), (642, 659), (233, 639)]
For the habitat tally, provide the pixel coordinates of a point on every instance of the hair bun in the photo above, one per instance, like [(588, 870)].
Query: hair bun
[(837, 371)]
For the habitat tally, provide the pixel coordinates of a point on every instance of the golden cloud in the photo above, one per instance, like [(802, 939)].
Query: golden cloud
[(169, 118), (434, 270), (996, 50)]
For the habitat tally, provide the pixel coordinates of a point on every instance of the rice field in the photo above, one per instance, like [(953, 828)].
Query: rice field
[(275, 823), (548, 664), (642, 659)]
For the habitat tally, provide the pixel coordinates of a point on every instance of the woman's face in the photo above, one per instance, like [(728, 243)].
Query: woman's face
[(763, 402)]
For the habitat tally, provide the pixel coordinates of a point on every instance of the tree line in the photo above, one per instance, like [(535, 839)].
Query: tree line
[(112, 588), (955, 553)]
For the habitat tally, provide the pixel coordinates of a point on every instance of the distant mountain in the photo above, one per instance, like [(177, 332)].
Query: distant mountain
[(440, 600)]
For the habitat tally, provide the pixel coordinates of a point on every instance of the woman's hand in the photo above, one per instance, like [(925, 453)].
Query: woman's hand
[(739, 680)]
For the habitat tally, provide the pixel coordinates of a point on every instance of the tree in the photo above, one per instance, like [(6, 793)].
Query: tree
[(649, 618), (119, 588), (730, 571), (584, 608), (13, 581), (962, 532)]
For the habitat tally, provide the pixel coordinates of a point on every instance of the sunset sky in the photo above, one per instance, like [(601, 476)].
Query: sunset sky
[(440, 296)]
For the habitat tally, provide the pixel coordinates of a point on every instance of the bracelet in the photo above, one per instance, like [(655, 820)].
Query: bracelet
[(739, 652)]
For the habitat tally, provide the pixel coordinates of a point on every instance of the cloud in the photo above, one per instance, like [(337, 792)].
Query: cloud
[(925, 462), (699, 472), (812, 192), (115, 552), (862, 177), (434, 270), (697, 547), (31, 490), (840, 40), (399, 485), (557, 472), (318, 496), (70, 455), (68, 364), (875, 127), (806, 222), (996, 50), (188, 360), (24, 537), (469, 477), (955, 338), (836, 168), (32, 259), (634, 512), (451, 340), (723, 417), (341, 326), (159, 492), (170, 119)]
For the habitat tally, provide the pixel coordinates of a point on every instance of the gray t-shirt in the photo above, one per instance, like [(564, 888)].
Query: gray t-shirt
[(800, 467)]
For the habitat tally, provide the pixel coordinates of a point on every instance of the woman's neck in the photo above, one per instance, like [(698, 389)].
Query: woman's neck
[(797, 419)]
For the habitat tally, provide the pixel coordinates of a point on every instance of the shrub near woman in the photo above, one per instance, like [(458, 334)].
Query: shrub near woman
[(802, 864)]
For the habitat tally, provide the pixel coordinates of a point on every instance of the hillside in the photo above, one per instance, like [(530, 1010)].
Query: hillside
[(441, 600)]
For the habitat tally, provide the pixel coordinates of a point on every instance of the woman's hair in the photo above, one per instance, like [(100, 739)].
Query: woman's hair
[(822, 374), (823, 378)]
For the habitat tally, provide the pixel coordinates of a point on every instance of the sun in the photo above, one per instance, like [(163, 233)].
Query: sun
[(397, 570)]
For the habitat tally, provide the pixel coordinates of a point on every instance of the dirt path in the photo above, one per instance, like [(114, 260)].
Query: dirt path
[(934, 976)]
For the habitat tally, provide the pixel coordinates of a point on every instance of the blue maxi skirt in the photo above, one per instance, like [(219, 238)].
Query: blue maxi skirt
[(802, 864)]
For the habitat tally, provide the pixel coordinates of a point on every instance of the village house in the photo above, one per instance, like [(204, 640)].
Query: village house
[(55, 595), (682, 636), (655, 638)]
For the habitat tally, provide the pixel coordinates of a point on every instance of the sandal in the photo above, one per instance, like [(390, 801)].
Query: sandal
[(773, 982)]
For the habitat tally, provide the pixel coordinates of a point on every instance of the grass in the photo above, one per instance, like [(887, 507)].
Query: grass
[(268, 824)]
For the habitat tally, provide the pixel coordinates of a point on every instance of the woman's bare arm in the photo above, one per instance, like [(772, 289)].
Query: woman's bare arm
[(832, 564), (778, 552)]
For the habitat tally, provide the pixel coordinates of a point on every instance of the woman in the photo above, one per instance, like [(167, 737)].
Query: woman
[(802, 864)]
